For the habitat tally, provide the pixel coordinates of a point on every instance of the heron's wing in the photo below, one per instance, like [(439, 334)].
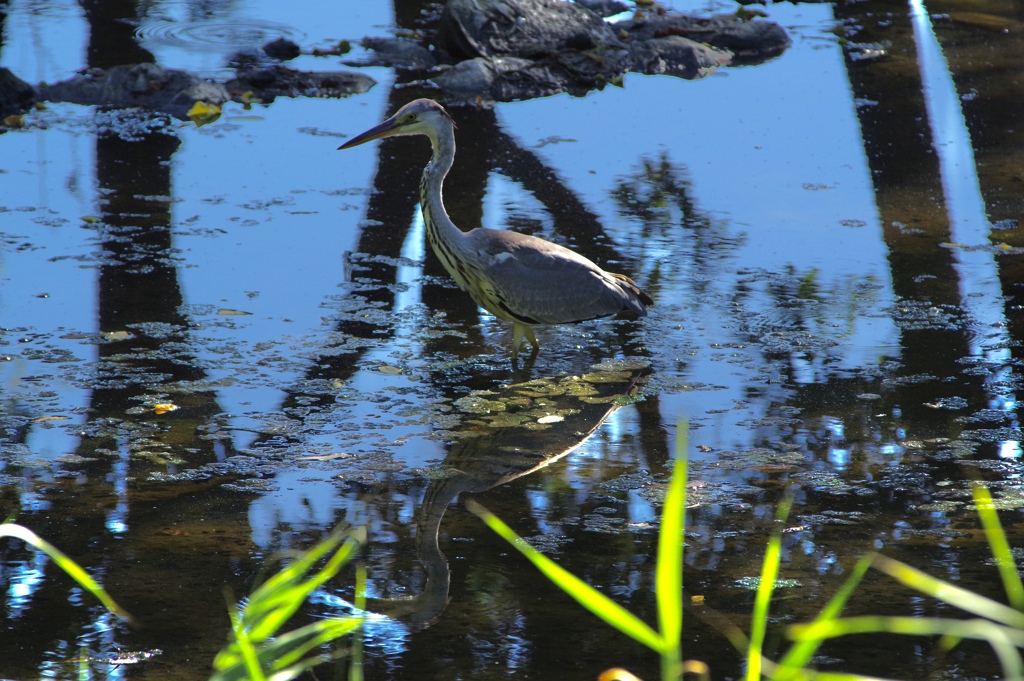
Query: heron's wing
[(538, 282)]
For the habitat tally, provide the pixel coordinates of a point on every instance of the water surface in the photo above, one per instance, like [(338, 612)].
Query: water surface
[(831, 239)]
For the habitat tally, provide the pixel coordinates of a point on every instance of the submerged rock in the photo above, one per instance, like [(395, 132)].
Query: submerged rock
[(281, 49), (521, 28), (397, 53), (16, 96), (150, 86), (265, 84), (520, 49), (147, 86), (676, 56), (749, 41)]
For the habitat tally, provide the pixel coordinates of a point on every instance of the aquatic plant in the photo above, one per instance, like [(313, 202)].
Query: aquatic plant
[(1001, 626), (666, 640), (258, 652), (74, 570)]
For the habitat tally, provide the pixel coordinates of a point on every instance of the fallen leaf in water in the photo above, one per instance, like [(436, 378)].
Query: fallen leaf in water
[(228, 312), (616, 674), (165, 407), (388, 369), (15, 121), (551, 418), (202, 113), (697, 600), (116, 335)]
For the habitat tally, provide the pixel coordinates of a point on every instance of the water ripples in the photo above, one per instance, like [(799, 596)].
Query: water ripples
[(214, 36)]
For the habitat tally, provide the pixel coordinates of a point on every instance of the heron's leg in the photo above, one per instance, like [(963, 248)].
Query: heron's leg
[(519, 331), (532, 338), (517, 337)]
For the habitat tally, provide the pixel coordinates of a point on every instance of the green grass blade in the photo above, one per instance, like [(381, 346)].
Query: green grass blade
[(355, 668), (287, 600), (246, 650), (839, 676), (73, 569), (584, 594), (954, 595), (290, 648), (1004, 640), (1000, 547), (258, 648), (801, 652), (763, 597), (271, 606), (285, 651), (668, 575)]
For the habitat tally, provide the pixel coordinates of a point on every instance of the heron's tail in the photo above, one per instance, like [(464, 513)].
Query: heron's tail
[(629, 285)]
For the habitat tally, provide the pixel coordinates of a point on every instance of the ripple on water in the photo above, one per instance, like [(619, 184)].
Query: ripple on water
[(214, 36)]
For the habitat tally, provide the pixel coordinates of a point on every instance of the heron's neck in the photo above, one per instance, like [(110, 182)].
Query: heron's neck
[(441, 231)]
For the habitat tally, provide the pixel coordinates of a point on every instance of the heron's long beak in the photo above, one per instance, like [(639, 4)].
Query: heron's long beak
[(384, 129)]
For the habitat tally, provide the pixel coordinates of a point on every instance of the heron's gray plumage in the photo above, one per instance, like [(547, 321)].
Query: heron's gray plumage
[(516, 277)]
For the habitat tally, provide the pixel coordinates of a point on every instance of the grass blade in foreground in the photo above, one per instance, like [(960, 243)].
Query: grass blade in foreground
[(954, 595), (668, 575), (65, 563), (259, 651), (1000, 547), (800, 653), (1004, 640), (763, 597), (586, 595)]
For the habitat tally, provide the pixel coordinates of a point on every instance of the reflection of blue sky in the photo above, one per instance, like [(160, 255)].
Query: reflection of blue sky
[(43, 42), (756, 163), (979, 274), (23, 579)]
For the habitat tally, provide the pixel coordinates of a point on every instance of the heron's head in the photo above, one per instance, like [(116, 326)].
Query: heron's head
[(419, 117)]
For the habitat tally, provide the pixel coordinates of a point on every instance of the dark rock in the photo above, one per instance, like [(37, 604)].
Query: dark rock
[(520, 28), (499, 79), (398, 53), (282, 49), (250, 58), (559, 46), (676, 56), (16, 96), (148, 86), (279, 81), (749, 41)]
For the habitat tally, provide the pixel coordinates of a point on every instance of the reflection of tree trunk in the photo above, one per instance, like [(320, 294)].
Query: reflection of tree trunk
[(908, 191), (112, 33), (138, 284)]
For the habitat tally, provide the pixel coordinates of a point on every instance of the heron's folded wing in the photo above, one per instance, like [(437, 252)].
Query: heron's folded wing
[(549, 284)]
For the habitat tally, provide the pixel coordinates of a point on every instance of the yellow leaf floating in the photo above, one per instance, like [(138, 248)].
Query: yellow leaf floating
[(248, 99), (14, 121), (202, 113), (165, 407), (616, 674)]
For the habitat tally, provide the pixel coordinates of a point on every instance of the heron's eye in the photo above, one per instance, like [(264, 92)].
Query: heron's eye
[(411, 118)]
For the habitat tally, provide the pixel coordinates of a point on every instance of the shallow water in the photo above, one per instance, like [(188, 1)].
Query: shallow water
[(831, 238)]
